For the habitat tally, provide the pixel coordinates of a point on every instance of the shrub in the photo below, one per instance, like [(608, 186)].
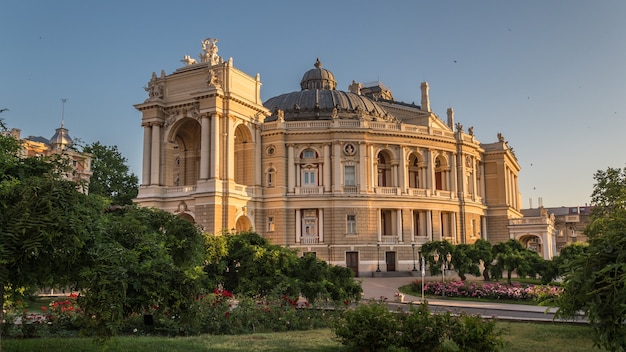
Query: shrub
[(372, 327), (420, 328), (368, 327), (473, 333)]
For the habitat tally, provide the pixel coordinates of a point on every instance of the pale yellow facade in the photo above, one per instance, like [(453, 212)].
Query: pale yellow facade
[(357, 178)]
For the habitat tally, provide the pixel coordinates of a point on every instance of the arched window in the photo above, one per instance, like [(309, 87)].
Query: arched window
[(270, 177), (384, 171), (414, 176), (441, 174), (309, 168)]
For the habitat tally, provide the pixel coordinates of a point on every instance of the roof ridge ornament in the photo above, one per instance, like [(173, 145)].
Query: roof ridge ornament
[(318, 63)]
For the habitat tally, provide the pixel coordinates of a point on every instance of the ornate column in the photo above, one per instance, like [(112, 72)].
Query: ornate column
[(147, 145), (337, 167), (298, 225), (362, 168), (291, 177), (321, 227), (429, 225), (155, 152), (215, 147), (230, 149), (403, 169), (413, 225), (378, 225), (258, 154), (327, 167), (430, 172), (373, 169), (453, 233), (204, 147), (453, 174), (399, 225)]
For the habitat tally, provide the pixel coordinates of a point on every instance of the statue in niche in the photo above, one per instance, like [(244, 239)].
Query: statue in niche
[(209, 52)]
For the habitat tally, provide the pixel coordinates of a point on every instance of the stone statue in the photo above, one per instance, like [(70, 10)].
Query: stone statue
[(500, 137), (209, 51), (188, 60), (154, 88), (470, 130), (213, 80), (355, 87)]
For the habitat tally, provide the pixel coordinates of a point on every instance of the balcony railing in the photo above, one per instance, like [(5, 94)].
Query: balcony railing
[(389, 239), (309, 190), (309, 240), (179, 189), (388, 190)]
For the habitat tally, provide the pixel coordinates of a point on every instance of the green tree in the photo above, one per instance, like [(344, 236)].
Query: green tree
[(111, 176), (513, 256), (595, 282), (45, 223), (482, 253), (248, 264), (434, 252), (464, 260), (145, 261)]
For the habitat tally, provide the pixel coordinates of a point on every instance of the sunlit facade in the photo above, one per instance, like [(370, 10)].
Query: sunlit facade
[(354, 176)]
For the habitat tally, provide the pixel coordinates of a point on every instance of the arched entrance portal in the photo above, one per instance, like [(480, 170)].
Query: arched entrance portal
[(532, 242), (243, 224)]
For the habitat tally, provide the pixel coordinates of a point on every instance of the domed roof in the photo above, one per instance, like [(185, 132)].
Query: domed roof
[(319, 100), (61, 139), (318, 78)]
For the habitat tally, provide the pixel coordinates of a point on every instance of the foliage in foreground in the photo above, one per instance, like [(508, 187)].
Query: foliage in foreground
[(218, 313), (373, 327), (595, 282)]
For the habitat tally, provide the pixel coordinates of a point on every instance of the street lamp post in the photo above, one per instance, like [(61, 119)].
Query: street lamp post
[(413, 246), (423, 276), (377, 257)]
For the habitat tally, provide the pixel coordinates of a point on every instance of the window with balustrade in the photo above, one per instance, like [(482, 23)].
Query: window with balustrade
[(309, 168), (309, 223)]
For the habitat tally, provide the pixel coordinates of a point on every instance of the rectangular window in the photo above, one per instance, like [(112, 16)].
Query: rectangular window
[(270, 223), (351, 224), (349, 176), (309, 178)]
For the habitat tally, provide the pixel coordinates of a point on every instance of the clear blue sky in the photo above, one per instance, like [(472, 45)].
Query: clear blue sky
[(549, 75)]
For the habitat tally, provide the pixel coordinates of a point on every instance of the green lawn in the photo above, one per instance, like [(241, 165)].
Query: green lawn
[(520, 337)]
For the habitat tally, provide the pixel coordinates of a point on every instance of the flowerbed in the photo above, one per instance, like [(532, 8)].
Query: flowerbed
[(515, 292)]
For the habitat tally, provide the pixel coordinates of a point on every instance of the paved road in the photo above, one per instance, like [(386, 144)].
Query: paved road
[(386, 287)]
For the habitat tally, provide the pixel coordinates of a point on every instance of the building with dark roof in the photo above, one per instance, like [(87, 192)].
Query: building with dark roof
[(353, 176)]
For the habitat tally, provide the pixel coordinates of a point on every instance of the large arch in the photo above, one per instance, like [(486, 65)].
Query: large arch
[(532, 241), (243, 223), (244, 156), (182, 157)]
